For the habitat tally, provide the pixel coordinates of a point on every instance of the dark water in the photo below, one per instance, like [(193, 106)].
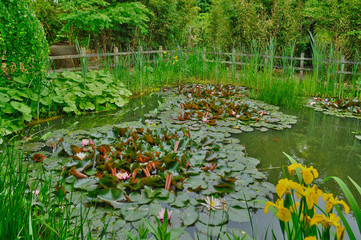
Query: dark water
[(133, 111), (325, 142)]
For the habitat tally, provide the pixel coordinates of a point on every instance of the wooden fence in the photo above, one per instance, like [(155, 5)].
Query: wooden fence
[(301, 68)]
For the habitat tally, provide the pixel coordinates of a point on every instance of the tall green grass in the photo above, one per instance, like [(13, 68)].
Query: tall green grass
[(28, 214), (270, 78)]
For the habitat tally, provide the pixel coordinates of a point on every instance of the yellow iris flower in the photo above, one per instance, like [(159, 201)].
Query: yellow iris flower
[(285, 185), (283, 213), (308, 174), (333, 220), (331, 201), (312, 195), (311, 238)]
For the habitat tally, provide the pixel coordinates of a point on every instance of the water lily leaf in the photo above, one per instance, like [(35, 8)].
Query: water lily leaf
[(111, 194), (169, 199), (154, 209), (190, 215), (210, 230), (140, 198), (182, 200), (211, 156), (153, 181), (91, 171), (151, 193), (246, 128), (32, 147), (238, 215), (195, 182), (131, 212), (207, 140), (109, 181), (87, 184), (217, 218)]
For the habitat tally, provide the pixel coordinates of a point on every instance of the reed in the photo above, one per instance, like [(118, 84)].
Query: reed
[(30, 210)]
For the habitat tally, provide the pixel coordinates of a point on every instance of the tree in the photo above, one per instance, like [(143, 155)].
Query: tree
[(105, 21)]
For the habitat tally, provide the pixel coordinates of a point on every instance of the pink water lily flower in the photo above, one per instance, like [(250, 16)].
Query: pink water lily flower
[(36, 192), (238, 116), (161, 214), (84, 142), (122, 175)]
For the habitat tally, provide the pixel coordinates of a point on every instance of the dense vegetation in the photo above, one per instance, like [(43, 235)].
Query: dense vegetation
[(221, 23), (185, 145)]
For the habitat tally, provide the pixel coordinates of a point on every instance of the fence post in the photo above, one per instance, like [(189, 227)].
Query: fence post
[(116, 50), (161, 51), (342, 64), (204, 53), (302, 64)]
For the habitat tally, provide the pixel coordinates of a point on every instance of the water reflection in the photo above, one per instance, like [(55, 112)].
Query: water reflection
[(326, 142)]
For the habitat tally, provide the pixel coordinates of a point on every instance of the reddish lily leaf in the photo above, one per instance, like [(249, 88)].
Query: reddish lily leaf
[(38, 157), (77, 174)]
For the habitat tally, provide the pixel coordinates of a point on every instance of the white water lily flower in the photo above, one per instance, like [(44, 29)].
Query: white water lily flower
[(81, 155), (212, 203)]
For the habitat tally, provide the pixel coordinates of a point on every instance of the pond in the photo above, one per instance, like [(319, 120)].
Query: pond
[(326, 142)]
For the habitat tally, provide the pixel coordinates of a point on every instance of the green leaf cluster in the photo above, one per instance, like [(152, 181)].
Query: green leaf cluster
[(67, 92), (23, 47)]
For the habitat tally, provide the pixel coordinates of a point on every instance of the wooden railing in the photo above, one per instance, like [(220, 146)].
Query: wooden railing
[(301, 59)]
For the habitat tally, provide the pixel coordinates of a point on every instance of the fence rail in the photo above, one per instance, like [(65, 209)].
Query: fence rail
[(301, 59)]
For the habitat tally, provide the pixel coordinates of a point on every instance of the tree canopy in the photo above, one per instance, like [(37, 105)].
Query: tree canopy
[(221, 23)]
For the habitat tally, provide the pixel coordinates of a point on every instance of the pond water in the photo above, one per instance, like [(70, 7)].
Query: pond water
[(326, 142)]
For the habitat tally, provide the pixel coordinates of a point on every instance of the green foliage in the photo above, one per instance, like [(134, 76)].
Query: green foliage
[(31, 209), (67, 92), (22, 43), (160, 231), (171, 21), (105, 21), (48, 12), (97, 91), (353, 203)]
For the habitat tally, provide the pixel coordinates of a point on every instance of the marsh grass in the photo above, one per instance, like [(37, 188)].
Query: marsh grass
[(270, 78), (28, 214)]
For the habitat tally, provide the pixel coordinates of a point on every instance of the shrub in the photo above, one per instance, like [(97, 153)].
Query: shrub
[(22, 43)]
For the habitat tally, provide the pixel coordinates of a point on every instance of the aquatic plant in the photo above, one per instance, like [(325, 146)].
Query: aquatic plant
[(335, 106), (297, 204), (34, 209)]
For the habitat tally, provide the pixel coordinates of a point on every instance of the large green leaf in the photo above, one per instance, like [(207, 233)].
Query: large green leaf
[(189, 215), (21, 107), (131, 212)]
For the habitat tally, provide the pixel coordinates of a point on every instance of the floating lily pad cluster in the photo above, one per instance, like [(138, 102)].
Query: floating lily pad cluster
[(337, 107), (200, 164), (222, 106), (125, 173)]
